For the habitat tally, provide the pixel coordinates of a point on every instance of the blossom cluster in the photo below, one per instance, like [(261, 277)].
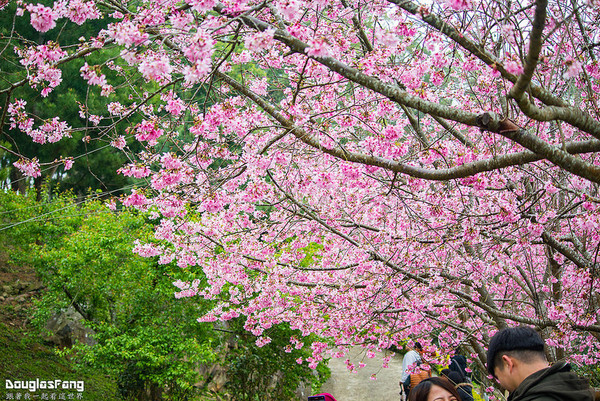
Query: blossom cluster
[(40, 62), (49, 132), (44, 18)]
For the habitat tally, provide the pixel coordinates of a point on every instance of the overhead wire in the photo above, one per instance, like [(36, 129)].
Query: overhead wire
[(74, 158), (44, 215)]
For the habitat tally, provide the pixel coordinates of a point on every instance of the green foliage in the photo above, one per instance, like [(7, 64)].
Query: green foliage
[(150, 342), (127, 300), (312, 252), (23, 357), (268, 372)]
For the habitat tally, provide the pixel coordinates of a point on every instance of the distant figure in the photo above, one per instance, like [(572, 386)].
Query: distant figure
[(461, 384), (458, 363), (411, 359), (434, 389), (516, 358)]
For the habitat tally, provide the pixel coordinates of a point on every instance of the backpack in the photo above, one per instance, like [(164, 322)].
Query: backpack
[(417, 378)]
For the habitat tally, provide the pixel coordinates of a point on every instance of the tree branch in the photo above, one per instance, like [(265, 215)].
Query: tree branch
[(362, 37), (564, 250), (535, 46), (552, 153), (442, 26)]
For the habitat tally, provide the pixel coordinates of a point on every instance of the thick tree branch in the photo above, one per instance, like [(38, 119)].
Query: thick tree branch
[(455, 133), (554, 154), (542, 149), (565, 251), (442, 26)]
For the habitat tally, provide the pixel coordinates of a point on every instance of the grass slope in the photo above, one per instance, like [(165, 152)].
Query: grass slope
[(25, 356)]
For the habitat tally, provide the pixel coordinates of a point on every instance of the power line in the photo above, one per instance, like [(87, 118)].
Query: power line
[(39, 217), (74, 158)]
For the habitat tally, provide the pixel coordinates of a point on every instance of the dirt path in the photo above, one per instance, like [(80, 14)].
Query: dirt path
[(358, 386)]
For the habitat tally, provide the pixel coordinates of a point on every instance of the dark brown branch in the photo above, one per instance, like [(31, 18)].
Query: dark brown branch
[(455, 133), (555, 155), (565, 251), (362, 37), (416, 127), (584, 34), (13, 86)]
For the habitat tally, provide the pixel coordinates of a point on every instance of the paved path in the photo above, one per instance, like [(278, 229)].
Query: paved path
[(358, 386)]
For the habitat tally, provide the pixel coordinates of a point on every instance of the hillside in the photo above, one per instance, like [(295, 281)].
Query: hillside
[(25, 356)]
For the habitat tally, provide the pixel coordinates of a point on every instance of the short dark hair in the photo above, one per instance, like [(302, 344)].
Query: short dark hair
[(421, 391), (456, 377), (418, 346), (523, 343)]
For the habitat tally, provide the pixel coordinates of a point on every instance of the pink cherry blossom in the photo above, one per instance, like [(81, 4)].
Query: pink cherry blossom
[(156, 68), (128, 34), (136, 199), (182, 21), (289, 9), (148, 131), (137, 171), (202, 5), (93, 75), (260, 40), (459, 4), (119, 142), (29, 168), (574, 68), (80, 11), (42, 18), (318, 48), (514, 67), (68, 164)]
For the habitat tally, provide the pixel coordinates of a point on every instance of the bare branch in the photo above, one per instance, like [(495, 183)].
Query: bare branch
[(535, 46)]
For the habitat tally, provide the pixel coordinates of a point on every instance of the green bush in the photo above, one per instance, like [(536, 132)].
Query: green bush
[(148, 341)]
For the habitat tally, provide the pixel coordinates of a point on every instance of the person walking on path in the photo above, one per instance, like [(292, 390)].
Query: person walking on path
[(410, 360), (516, 358), (458, 363)]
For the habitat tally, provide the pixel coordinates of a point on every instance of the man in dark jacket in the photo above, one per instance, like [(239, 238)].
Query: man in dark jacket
[(516, 358)]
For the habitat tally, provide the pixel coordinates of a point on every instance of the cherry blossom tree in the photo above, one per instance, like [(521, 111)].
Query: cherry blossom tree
[(370, 171)]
